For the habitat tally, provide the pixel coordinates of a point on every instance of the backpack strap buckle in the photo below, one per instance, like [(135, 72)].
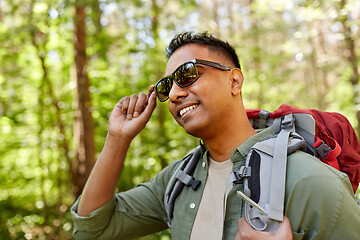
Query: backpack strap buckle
[(243, 172), (288, 121), (263, 116), (188, 180), (321, 148), (327, 153)]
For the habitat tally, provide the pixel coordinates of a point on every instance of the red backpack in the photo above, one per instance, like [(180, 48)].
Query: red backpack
[(328, 136), (335, 140)]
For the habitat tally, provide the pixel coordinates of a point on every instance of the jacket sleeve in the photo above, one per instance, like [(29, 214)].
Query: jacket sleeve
[(346, 222), (319, 201), (134, 213)]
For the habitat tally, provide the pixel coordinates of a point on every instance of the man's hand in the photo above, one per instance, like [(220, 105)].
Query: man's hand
[(131, 114), (245, 231), (127, 119)]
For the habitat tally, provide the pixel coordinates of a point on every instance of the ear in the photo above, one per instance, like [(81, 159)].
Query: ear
[(236, 81)]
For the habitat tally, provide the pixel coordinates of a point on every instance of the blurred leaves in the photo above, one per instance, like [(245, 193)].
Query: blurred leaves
[(290, 51)]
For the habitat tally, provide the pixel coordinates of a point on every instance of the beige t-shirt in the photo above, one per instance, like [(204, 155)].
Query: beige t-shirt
[(209, 220)]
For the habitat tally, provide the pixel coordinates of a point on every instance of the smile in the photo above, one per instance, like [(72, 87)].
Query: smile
[(183, 111)]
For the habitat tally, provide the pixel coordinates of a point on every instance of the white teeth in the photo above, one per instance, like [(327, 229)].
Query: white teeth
[(183, 111)]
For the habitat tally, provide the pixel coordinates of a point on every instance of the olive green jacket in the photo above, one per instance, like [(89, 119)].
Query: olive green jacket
[(319, 203)]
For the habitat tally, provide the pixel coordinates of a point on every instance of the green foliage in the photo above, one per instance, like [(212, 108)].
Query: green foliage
[(297, 56)]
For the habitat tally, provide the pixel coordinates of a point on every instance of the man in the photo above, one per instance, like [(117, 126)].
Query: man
[(203, 89)]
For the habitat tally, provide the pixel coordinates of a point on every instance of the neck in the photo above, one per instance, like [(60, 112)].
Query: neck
[(224, 143)]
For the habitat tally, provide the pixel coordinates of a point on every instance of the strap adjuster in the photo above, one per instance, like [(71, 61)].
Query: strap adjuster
[(188, 180), (322, 148), (264, 114), (288, 121), (243, 172), (194, 183), (327, 152)]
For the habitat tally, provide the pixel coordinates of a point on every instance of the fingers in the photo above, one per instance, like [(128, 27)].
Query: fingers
[(134, 105), (285, 229), (151, 105), (243, 225), (245, 231), (151, 90), (129, 104), (285, 223), (140, 104)]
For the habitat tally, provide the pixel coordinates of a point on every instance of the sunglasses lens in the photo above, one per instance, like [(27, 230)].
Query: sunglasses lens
[(163, 88), (186, 74)]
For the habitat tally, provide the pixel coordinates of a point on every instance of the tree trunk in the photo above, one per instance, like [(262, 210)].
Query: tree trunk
[(163, 138), (84, 125), (352, 58), (256, 58)]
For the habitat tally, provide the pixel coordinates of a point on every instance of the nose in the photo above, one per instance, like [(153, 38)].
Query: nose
[(176, 93)]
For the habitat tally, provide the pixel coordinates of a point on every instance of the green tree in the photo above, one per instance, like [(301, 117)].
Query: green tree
[(54, 55)]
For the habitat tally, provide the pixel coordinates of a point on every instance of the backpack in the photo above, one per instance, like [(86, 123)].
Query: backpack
[(328, 136)]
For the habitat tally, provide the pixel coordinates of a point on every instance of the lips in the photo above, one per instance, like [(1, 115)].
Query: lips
[(186, 109)]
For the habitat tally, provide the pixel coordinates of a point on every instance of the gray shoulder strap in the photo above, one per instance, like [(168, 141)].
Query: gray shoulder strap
[(278, 171), (181, 177), (264, 205)]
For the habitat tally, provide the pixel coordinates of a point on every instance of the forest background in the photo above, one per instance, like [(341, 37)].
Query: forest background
[(64, 65)]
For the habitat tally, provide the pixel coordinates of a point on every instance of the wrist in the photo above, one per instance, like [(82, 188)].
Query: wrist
[(117, 141), (114, 151)]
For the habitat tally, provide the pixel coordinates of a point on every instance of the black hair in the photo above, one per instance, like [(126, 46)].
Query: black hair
[(205, 39)]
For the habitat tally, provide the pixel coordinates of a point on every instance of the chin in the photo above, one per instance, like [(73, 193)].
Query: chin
[(195, 130)]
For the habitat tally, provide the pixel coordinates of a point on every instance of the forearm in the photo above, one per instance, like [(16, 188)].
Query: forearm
[(101, 185), (127, 119)]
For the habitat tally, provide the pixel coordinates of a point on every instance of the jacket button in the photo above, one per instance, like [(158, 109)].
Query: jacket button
[(203, 164), (192, 205)]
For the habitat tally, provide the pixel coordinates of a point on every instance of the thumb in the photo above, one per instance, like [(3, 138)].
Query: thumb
[(243, 225), (284, 229), (285, 223)]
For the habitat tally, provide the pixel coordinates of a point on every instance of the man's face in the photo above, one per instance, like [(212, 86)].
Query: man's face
[(202, 108)]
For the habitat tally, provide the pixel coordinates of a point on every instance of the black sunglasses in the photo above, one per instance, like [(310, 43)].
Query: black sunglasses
[(185, 75)]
